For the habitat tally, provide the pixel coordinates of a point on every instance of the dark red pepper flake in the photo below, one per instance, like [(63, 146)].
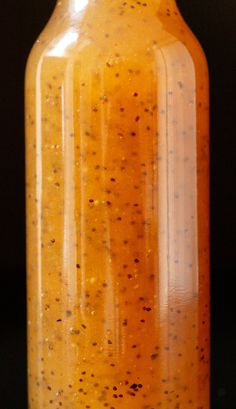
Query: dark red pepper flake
[(147, 309), (131, 393), (77, 265), (154, 356), (59, 320), (135, 94), (136, 260)]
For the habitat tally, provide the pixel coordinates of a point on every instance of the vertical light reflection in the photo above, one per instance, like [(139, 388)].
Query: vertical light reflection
[(177, 208), (69, 250), (82, 233), (182, 178), (39, 183), (162, 188), (110, 313), (69, 231)]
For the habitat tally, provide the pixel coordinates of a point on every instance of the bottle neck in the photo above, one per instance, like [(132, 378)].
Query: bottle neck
[(76, 6)]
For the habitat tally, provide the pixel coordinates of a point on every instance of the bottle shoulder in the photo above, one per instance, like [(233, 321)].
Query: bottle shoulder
[(97, 39)]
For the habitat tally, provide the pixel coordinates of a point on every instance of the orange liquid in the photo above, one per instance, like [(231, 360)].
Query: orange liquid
[(117, 211)]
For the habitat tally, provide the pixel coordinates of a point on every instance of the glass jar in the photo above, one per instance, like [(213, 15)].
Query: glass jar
[(117, 126)]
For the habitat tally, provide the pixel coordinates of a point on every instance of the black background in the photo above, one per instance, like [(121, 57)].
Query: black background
[(214, 23)]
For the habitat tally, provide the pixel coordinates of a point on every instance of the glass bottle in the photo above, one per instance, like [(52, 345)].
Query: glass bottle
[(117, 209)]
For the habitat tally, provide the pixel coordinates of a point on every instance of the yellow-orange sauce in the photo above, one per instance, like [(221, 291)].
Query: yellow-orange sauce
[(117, 210)]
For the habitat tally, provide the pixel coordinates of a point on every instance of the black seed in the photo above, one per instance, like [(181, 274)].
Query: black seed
[(68, 313)]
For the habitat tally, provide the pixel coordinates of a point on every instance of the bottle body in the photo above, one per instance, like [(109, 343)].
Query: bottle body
[(117, 208)]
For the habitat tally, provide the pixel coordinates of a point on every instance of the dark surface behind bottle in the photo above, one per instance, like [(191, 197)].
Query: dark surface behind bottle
[(214, 25)]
